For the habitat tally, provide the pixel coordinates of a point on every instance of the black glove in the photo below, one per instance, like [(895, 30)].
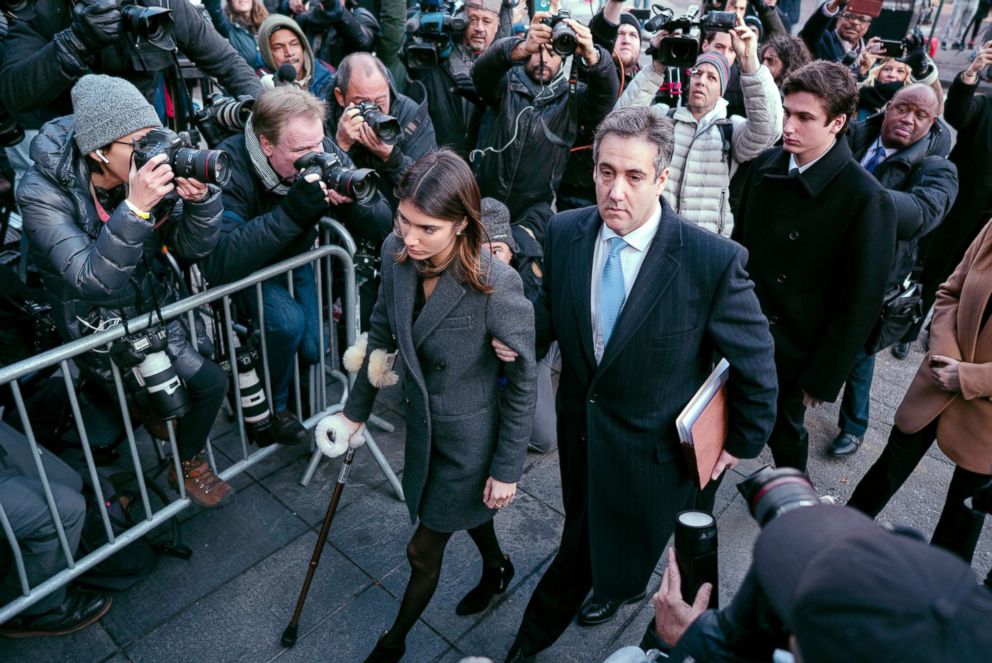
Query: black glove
[(305, 202), (465, 87), (916, 54), (760, 8), (96, 23)]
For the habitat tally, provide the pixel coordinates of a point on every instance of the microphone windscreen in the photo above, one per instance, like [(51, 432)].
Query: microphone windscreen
[(286, 73)]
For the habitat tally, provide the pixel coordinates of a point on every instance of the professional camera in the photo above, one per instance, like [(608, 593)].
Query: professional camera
[(770, 493), (386, 127), (254, 405), (152, 24), (356, 183), (144, 353), (563, 38), (207, 166), (223, 116), (681, 46), (431, 35)]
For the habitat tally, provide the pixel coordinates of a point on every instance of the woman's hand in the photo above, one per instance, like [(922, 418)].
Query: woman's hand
[(148, 184), (191, 190), (504, 351), (945, 371), (869, 54), (498, 494)]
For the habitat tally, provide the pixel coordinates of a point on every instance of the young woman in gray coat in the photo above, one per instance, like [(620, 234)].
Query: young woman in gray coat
[(440, 304)]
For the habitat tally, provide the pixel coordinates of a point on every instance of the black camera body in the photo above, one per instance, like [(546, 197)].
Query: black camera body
[(207, 166), (685, 34), (145, 354), (386, 127), (563, 38), (223, 117), (431, 35), (356, 183)]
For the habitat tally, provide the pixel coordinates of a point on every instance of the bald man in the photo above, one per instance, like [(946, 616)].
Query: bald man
[(361, 77), (905, 148)]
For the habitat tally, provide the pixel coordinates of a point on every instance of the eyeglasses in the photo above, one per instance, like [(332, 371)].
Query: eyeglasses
[(856, 18)]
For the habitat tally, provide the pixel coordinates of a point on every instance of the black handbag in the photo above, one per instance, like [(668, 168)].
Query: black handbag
[(902, 308)]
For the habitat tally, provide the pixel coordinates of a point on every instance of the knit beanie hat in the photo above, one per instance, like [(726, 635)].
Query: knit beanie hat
[(754, 23), (496, 219), (107, 108), (718, 62), (487, 5), (626, 18)]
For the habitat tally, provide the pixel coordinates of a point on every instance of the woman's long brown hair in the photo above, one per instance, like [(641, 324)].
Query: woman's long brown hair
[(441, 185), (257, 14)]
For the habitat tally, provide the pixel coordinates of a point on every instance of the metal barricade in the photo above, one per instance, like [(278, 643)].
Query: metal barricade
[(186, 311)]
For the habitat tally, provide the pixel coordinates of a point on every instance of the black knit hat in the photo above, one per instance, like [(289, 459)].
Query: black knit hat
[(626, 18)]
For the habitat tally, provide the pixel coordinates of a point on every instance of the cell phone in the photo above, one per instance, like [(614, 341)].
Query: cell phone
[(891, 48)]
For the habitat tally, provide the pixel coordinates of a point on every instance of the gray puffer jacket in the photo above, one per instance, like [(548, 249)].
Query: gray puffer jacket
[(698, 187), (98, 271)]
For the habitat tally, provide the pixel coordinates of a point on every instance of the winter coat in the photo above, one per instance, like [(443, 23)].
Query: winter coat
[(338, 32), (460, 430), (921, 182), (535, 126), (96, 271), (317, 73), (822, 40), (257, 232), (821, 246), (958, 331), (244, 41), (417, 139), (38, 72), (698, 186)]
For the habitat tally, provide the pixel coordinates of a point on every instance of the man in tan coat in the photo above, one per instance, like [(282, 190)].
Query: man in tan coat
[(950, 399)]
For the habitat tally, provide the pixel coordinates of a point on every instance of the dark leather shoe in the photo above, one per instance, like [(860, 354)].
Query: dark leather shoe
[(384, 653), (844, 444), (900, 350), (79, 610), (288, 429), (515, 655), (494, 582), (599, 612)]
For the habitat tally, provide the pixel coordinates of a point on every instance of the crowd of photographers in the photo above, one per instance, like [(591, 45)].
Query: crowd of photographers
[(323, 106)]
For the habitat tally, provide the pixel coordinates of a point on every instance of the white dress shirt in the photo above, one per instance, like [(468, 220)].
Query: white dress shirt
[(803, 169), (889, 151), (631, 258)]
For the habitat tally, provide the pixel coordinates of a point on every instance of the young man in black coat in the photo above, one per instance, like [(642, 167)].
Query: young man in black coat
[(821, 235), (905, 148)]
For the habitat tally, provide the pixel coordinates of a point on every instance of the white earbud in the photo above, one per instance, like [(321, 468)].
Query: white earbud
[(102, 157)]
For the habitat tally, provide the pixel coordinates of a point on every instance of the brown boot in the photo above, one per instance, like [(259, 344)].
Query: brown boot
[(202, 485)]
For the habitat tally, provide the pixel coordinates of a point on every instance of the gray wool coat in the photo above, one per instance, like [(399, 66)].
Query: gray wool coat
[(461, 428)]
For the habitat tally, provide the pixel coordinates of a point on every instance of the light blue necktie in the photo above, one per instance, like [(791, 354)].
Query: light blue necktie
[(877, 157), (611, 289)]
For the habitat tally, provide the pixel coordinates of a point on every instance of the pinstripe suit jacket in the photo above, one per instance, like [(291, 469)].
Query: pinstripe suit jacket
[(616, 420)]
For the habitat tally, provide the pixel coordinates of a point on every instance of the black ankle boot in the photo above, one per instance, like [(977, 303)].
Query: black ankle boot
[(384, 653), (494, 581)]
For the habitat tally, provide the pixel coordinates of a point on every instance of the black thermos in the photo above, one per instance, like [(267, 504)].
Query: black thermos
[(695, 553)]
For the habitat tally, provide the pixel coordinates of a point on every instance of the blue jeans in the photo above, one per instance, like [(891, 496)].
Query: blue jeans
[(854, 406), (291, 326)]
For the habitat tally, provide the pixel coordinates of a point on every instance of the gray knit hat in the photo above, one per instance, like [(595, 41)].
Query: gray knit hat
[(107, 108), (496, 219)]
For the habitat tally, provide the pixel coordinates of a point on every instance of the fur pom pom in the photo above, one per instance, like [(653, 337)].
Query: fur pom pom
[(331, 434), (381, 373), (354, 356)]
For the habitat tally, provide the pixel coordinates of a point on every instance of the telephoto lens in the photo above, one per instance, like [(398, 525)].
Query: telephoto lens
[(563, 39), (696, 554), (153, 24), (770, 493), (254, 405), (166, 392), (386, 127)]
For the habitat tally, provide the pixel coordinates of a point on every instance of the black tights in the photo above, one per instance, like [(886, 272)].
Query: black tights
[(425, 552)]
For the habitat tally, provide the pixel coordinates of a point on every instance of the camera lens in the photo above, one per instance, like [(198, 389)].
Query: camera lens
[(359, 184), (150, 23), (386, 127), (770, 493), (563, 39), (208, 166)]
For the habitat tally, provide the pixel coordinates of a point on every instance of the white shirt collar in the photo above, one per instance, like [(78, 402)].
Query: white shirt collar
[(638, 239), (803, 169)]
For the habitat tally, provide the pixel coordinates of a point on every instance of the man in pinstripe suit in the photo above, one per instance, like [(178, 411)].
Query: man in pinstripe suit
[(640, 302)]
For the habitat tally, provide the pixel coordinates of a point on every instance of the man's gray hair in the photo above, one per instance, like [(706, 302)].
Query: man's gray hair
[(639, 122)]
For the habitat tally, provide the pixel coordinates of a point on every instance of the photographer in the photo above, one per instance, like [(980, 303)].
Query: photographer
[(97, 226), (271, 214), (64, 40), (709, 146), (829, 585), (534, 116), (363, 82), (336, 27), (281, 42), (836, 33)]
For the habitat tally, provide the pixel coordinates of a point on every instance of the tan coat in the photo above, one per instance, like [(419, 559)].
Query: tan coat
[(964, 432)]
